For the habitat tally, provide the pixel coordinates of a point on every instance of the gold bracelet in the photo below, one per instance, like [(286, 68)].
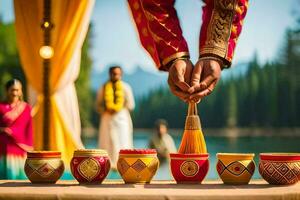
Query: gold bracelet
[(223, 66)]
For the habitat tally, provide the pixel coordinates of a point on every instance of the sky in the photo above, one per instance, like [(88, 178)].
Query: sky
[(115, 40)]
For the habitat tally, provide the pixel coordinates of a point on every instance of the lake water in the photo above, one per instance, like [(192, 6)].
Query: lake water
[(215, 144)]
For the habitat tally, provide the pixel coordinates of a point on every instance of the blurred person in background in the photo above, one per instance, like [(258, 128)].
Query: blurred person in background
[(15, 132), (162, 141), (114, 102)]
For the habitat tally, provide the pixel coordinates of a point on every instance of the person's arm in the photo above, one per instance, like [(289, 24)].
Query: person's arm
[(222, 25), (151, 144), (159, 30), (29, 133), (129, 101), (100, 100), (26, 139), (161, 35), (27, 145)]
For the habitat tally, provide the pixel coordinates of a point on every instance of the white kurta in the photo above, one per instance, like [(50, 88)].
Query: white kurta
[(115, 130)]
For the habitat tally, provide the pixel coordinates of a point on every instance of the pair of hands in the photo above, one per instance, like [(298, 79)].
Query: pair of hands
[(192, 83)]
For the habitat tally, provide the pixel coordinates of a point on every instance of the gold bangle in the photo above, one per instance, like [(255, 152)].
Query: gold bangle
[(175, 60), (219, 60)]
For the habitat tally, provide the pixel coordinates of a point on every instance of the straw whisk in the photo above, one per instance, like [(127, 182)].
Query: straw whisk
[(193, 141)]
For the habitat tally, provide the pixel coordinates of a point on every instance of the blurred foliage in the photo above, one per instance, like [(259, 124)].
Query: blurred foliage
[(10, 66), (83, 83)]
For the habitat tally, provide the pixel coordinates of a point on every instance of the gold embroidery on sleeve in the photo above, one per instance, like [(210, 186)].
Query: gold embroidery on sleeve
[(219, 28)]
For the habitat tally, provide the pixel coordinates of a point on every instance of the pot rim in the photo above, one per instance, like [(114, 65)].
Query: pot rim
[(191, 155), (43, 154), (234, 155), (90, 152), (280, 156), (137, 151)]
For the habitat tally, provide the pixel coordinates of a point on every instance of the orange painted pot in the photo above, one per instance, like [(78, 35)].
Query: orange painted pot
[(280, 168), (235, 168), (189, 168), (90, 165), (44, 166), (137, 165)]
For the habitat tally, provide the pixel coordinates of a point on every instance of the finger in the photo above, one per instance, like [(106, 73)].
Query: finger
[(178, 80), (206, 82), (188, 72), (183, 86), (203, 84), (205, 92), (201, 94), (196, 75), (177, 92), (181, 95), (195, 100)]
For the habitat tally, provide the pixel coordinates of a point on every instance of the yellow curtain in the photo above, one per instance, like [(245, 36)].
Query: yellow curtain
[(71, 19)]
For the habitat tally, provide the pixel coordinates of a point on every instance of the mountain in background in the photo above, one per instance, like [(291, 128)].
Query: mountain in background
[(143, 81)]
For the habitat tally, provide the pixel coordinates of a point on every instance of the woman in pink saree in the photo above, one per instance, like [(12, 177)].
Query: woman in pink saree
[(15, 132)]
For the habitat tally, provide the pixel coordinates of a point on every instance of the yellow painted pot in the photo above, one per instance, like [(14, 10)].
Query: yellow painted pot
[(235, 168), (138, 165)]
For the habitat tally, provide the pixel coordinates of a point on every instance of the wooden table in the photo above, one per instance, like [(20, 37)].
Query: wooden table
[(166, 190)]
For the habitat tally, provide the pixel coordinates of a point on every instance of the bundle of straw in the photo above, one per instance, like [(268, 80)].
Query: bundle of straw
[(193, 141)]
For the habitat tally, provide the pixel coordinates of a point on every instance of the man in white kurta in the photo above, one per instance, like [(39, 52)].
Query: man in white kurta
[(115, 130)]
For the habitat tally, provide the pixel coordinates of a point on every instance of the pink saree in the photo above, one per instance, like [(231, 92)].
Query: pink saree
[(15, 139)]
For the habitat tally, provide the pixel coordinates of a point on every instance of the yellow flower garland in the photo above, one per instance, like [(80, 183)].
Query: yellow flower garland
[(114, 96)]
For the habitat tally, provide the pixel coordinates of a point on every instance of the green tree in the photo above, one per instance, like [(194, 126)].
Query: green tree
[(10, 66), (231, 104), (83, 83)]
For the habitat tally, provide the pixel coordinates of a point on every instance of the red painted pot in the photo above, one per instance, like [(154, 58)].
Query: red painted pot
[(189, 168), (44, 166), (280, 168), (90, 165)]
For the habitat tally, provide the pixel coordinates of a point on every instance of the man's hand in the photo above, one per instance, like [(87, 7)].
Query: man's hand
[(205, 76), (111, 111), (179, 78)]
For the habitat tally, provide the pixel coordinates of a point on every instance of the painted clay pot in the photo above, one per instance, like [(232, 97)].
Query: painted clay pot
[(280, 168), (44, 166), (90, 165), (235, 168), (189, 168), (137, 165)]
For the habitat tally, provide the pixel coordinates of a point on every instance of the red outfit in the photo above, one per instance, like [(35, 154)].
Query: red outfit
[(161, 35), (15, 140)]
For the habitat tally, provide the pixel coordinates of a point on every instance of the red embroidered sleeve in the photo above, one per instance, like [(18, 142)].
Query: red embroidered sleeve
[(159, 30), (222, 25)]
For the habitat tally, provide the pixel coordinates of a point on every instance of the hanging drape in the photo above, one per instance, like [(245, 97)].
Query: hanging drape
[(71, 20)]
